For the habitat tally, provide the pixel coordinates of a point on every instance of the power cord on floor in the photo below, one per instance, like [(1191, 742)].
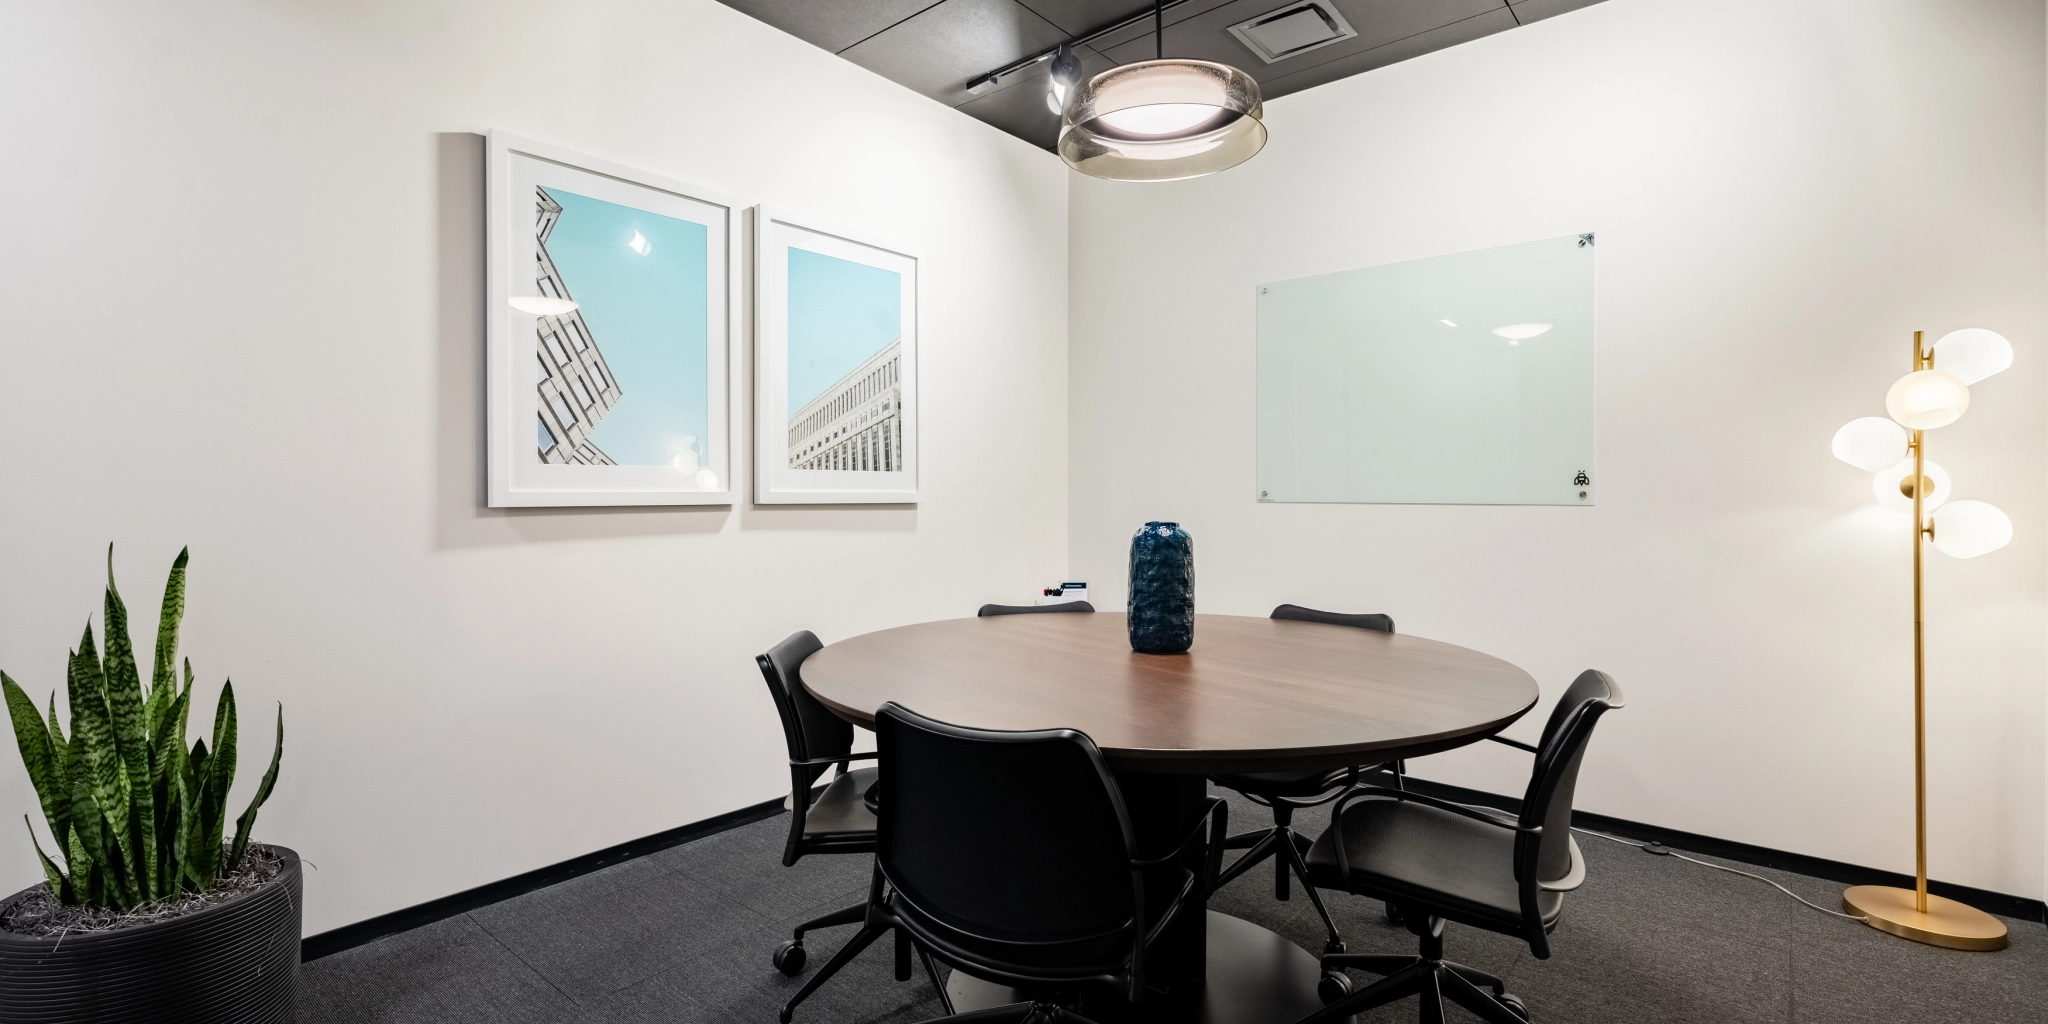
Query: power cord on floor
[(1661, 850)]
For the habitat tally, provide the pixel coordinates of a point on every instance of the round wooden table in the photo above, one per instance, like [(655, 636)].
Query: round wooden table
[(1252, 695)]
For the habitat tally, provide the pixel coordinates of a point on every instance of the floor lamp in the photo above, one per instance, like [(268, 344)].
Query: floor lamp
[(1934, 395)]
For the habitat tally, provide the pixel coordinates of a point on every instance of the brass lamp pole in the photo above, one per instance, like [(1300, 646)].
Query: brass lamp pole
[(1925, 399)]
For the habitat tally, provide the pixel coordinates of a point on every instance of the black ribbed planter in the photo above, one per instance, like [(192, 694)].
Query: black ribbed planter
[(228, 964)]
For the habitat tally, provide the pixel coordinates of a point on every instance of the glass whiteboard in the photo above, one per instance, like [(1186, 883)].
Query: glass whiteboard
[(1463, 379)]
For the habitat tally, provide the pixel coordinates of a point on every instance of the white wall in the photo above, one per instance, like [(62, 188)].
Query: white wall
[(1782, 193), (243, 275)]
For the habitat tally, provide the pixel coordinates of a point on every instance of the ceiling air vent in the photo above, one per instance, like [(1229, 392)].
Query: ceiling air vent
[(1295, 28)]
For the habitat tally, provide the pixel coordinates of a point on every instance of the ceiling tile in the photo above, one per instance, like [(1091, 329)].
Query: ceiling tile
[(1378, 22), (937, 51), (1496, 20), (832, 25), (1537, 10), (1192, 9), (1077, 16)]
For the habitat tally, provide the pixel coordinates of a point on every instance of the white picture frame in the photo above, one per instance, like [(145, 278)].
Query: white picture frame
[(852, 436), (526, 391)]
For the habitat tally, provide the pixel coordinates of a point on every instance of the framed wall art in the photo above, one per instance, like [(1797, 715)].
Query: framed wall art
[(613, 344), (835, 364)]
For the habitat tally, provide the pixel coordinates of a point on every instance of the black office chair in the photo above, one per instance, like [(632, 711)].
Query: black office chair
[(1010, 856), (1440, 861), (1032, 609), (841, 818), (1287, 792)]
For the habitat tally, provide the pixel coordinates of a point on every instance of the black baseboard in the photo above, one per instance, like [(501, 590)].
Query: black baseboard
[(2002, 904), (313, 947)]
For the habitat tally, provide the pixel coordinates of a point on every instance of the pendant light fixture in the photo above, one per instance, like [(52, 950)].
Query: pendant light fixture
[(1160, 119)]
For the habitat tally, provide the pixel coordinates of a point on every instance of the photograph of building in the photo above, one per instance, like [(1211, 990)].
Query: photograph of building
[(576, 386), (857, 423)]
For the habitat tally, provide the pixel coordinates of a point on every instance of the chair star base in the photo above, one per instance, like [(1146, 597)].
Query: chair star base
[(1427, 975)]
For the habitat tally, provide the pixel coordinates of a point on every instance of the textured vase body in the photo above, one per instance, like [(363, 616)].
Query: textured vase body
[(232, 963), (1162, 608)]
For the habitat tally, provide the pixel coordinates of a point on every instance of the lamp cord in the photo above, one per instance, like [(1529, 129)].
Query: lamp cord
[(1665, 851)]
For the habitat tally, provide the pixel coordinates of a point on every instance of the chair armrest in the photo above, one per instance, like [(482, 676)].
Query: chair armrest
[(1517, 744), (820, 762), (1574, 877), (1442, 805), (1214, 810)]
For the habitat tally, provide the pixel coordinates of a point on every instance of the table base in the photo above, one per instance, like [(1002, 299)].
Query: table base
[(1253, 977)]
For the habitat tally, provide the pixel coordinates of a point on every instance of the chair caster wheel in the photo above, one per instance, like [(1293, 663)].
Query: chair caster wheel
[(1334, 986), (789, 958), (1513, 1003), (1393, 914)]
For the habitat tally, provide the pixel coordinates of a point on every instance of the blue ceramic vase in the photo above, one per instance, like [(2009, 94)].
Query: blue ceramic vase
[(1162, 608)]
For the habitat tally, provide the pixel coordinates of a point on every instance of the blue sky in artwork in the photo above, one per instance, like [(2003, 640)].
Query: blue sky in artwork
[(840, 313), (647, 314)]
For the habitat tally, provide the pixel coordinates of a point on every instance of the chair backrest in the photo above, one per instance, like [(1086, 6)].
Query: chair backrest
[(1548, 801), (808, 728), (1033, 609), (1009, 837), (1373, 620)]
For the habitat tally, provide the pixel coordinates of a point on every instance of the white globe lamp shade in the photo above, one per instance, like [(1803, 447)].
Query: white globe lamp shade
[(1972, 354), (1162, 120), (1885, 487), (1871, 443), (1926, 399), (1967, 529)]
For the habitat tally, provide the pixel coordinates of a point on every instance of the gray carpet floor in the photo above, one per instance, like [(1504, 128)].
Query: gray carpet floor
[(685, 935)]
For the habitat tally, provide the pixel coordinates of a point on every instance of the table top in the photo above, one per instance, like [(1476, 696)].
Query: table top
[(1253, 694)]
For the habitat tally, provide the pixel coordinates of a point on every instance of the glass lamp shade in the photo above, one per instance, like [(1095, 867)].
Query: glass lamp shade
[(1870, 443), (1972, 354), (1967, 529), (1885, 486), (1926, 399), (1162, 120)]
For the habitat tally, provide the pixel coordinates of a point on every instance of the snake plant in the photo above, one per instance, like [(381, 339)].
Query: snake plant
[(137, 817)]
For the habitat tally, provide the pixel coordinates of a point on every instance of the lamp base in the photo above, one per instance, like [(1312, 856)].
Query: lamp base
[(1946, 923)]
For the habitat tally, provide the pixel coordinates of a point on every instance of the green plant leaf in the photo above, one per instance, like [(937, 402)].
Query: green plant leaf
[(137, 826), (163, 673), (92, 727), (202, 863), (248, 819), (168, 757), (82, 870), (58, 883), (220, 777), (187, 783), (38, 755), (86, 829), (60, 748)]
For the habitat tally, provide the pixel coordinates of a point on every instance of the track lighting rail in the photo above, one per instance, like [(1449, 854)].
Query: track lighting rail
[(987, 79)]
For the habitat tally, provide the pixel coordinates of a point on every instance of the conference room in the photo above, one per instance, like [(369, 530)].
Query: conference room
[(1050, 511)]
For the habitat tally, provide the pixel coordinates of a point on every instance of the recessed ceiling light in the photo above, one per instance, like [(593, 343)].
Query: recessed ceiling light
[(541, 305), (639, 243)]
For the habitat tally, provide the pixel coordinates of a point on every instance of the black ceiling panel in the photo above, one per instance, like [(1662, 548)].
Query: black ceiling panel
[(1078, 16), (936, 46), (937, 50), (830, 24), (1377, 22)]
